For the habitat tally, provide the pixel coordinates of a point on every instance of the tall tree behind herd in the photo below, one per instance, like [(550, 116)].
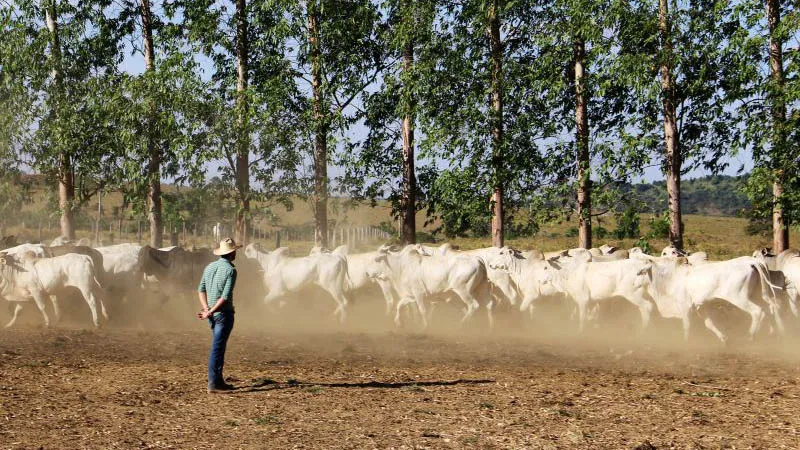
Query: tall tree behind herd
[(292, 81)]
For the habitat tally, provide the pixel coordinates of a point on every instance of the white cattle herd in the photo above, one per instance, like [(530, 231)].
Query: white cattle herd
[(414, 277)]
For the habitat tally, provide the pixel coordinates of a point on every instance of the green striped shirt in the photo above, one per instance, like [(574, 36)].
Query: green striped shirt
[(218, 281)]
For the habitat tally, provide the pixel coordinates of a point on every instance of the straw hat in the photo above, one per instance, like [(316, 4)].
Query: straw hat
[(226, 246)]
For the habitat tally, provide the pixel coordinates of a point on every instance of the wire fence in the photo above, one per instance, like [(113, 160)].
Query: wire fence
[(114, 231)]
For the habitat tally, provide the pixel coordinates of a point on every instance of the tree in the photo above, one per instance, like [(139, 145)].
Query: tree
[(66, 177), (408, 204), (769, 107), (65, 75), (671, 142), (492, 134), (685, 68), (496, 120), (338, 57), (242, 171), (383, 165), (153, 151), (254, 112), (780, 228)]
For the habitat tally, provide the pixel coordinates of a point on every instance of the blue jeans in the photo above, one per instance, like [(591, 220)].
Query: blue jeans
[(221, 327)]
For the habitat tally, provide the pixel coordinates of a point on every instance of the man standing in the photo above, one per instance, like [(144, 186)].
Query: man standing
[(216, 300)]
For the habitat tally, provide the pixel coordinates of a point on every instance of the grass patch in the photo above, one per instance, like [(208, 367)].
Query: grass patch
[(470, 440), (267, 420), (414, 388), (565, 413), (314, 389)]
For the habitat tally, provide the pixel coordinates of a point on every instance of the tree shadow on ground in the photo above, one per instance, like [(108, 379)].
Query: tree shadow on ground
[(267, 384)]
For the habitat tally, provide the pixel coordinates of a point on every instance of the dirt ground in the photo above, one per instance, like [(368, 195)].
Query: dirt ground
[(142, 385)]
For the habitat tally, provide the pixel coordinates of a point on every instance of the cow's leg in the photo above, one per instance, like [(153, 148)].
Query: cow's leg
[(469, 300), (645, 308), (38, 298), (402, 302), (756, 317), (792, 294), (775, 310), (489, 313), (88, 295), (341, 302), (709, 323), (56, 308), (14, 315), (593, 312), (99, 296), (582, 305), (686, 321), (387, 295), (420, 300)]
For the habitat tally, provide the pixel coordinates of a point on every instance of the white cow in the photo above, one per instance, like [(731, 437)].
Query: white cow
[(693, 258), (359, 275), (123, 267), (22, 249), (29, 277), (284, 274), (532, 277), (502, 286), (415, 276), (788, 263), (679, 289), (589, 283)]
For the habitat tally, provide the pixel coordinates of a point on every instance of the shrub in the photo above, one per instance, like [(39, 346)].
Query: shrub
[(627, 224), (659, 227)]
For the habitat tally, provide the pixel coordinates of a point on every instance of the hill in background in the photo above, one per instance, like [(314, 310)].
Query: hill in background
[(715, 195)]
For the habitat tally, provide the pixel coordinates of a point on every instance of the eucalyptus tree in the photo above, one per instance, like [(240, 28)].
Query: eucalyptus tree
[(492, 132), (686, 69), (337, 56), (254, 109), (65, 66), (772, 110), (383, 164)]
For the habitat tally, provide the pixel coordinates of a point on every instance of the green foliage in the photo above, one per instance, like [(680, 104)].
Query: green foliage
[(659, 226), (644, 244), (627, 224)]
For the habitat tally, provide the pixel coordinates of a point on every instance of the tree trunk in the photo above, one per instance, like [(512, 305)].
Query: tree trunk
[(408, 205), (672, 144), (153, 152), (242, 148), (780, 227), (496, 119), (66, 177), (320, 134), (582, 143)]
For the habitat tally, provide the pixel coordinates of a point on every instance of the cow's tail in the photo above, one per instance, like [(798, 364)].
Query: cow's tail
[(347, 282), (769, 291), (99, 292)]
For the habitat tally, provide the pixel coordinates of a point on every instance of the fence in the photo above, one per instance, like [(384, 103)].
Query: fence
[(114, 231)]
